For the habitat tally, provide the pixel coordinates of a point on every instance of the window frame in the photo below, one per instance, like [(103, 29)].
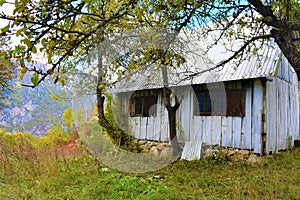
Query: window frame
[(146, 100), (233, 107)]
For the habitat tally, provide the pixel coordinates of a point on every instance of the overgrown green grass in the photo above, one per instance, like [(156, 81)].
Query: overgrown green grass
[(82, 177)]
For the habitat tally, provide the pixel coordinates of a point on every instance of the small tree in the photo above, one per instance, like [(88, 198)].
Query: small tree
[(68, 119)]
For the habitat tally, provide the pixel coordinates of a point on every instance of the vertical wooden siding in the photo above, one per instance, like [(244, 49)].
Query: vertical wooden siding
[(282, 110), (229, 131), (280, 106)]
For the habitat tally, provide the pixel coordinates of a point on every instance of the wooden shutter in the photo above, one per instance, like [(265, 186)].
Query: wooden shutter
[(235, 102), (149, 102), (131, 106)]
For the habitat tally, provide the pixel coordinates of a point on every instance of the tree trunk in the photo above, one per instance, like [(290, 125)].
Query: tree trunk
[(284, 39), (119, 136), (100, 105), (283, 32), (173, 133), (171, 112)]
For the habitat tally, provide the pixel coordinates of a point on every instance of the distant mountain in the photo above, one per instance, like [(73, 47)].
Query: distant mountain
[(34, 110)]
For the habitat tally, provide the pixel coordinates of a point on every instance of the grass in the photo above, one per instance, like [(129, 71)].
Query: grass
[(83, 177)]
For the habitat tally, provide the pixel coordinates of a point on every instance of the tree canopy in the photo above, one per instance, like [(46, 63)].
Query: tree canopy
[(67, 30), (6, 71)]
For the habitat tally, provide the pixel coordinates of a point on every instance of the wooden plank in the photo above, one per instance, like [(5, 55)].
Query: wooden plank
[(286, 70), (156, 133), (290, 113), (195, 128), (165, 127), (257, 116), (271, 113), (278, 118), (133, 131), (192, 150), (227, 136), (216, 130), (186, 113), (297, 115), (143, 127), (280, 133), (138, 127), (199, 131), (285, 134), (206, 129), (279, 115), (294, 114), (247, 120), (158, 120), (237, 132), (223, 129), (191, 117), (150, 128)]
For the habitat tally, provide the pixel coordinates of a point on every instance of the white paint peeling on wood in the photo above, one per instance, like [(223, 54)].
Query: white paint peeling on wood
[(216, 130), (206, 135), (247, 119), (227, 132), (257, 116), (280, 143), (237, 132), (281, 108), (271, 116), (192, 150)]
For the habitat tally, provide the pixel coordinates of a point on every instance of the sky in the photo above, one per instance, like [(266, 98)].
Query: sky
[(7, 8)]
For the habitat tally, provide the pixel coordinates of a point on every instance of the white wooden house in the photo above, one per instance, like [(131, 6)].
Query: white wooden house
[(252, 106)]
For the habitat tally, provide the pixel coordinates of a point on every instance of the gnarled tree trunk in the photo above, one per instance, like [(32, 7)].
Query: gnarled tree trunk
[(171, 111)]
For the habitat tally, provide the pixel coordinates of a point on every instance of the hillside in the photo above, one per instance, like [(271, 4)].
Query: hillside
[(34, 110)]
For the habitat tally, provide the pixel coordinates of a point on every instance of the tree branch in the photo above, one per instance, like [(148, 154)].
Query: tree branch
[(236, 53)]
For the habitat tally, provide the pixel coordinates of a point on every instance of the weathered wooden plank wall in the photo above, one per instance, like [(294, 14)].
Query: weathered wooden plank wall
[(231, 131), (282, 109), (222, 130), (257, 111), (280, 106)]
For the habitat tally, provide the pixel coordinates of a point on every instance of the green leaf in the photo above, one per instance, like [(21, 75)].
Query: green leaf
[(34, 50), (35, 79), (19, 32), (2, 2), (27, 42), (23, 72), (4, 29)]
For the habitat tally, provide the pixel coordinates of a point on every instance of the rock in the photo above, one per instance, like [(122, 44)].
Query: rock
[(235, 158), (147, 146), (245, 152), (142, 142), (154, 151), (151, 144), (160, 146), (230, 152), (253, 159), (167, 151), (224, 151), (210, 152), (145, 151)]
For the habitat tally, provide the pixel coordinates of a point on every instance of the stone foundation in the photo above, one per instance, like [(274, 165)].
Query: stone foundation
[(230, 154), (215, 151), (157, 148)]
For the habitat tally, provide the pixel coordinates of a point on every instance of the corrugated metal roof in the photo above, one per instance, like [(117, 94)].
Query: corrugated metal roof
[(262, 64)]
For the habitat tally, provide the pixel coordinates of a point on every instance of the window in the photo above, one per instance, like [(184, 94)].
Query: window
[(143, 105), (204, 102), (214, 103)]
